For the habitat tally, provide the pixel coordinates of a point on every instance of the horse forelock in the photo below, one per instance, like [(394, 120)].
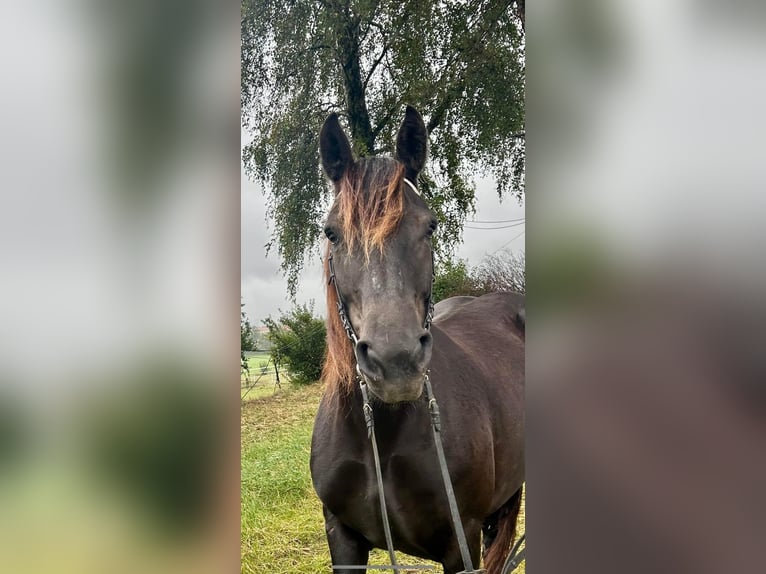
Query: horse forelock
[(370, 203)]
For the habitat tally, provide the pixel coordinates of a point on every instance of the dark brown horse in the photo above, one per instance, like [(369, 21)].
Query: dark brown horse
[(379, 232)]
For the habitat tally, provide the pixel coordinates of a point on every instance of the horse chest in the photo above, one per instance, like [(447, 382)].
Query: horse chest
[(344, 470), (414, 494), (345, 480)]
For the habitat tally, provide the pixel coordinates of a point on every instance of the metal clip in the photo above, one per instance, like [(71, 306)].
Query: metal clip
[(433, 408), (368, 419)]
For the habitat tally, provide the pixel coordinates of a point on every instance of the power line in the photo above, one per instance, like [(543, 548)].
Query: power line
[(496, 221), (508, 242), (498, 227)]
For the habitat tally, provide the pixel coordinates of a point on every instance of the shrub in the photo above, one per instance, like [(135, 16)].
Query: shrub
[(298, 343), (453, 279)]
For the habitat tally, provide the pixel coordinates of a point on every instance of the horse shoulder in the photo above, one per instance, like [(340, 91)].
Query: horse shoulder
[(338, 455)]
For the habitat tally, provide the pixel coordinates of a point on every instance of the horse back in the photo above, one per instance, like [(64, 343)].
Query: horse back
[(489, 329)]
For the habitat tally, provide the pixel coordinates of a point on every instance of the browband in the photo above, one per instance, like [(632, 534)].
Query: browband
[(412, 185)]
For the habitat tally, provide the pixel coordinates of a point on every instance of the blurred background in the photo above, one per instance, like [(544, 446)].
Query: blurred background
[(119, 241)]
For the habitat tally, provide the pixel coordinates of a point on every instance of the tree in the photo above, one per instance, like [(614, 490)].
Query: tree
[(453, 279), (298, 342), (247, 340), (502, 272), (460, 63)]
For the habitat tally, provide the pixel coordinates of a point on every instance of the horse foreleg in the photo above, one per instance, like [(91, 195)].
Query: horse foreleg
[(347, 547), (453, 559)]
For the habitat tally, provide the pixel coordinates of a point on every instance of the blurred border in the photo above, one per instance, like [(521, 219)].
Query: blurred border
[(119, 245), (646, 382)]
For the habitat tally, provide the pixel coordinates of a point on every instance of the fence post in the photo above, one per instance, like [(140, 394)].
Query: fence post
[(276, 371)]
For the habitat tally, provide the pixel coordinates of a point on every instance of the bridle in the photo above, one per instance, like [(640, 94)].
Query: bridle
[(433, 409)]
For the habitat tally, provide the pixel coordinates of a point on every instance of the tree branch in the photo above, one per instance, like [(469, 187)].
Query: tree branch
[(473, 46), (384, 121), (371, 23), (521, 13), (439, 112), (376, 63)]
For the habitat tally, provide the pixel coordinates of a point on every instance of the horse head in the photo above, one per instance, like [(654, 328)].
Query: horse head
[(380, 258)]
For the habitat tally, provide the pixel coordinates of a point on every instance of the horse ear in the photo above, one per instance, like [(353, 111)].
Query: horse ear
[(412, 143), (334, 149)]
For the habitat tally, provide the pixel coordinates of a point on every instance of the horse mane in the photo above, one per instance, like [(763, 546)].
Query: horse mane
[(369, 205)]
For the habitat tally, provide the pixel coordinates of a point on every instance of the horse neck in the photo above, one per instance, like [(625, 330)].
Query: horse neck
[(392, 423)]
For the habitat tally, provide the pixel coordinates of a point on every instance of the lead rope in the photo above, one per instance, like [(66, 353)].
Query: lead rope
[(433, 408), (378, 474)]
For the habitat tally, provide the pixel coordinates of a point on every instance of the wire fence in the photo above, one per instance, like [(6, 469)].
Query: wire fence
[(261, 377)]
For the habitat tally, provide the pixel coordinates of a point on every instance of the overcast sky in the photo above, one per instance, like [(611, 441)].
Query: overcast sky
[(264, 289)]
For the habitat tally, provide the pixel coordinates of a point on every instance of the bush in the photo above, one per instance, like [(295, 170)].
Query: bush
[(497, 272), (298, 343), (502, 272), (453, 279), (247, 341)]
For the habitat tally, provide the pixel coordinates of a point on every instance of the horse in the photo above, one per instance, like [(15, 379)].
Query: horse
[(379, 258)]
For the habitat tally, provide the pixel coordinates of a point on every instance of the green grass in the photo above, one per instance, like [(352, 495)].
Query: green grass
[(282, 527)]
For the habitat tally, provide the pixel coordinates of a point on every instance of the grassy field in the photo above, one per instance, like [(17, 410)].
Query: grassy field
[(282, 525)]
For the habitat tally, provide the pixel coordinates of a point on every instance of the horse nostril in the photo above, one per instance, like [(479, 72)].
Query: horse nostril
[(423, 354), (367, 364), (425, 340)]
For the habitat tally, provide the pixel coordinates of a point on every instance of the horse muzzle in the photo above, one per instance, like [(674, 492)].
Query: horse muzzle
[(392, 392), (394, 372)]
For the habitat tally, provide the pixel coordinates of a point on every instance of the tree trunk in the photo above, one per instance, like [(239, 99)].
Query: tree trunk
[(362, 136)]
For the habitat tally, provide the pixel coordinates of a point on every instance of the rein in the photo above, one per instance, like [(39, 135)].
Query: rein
[(433, 409)]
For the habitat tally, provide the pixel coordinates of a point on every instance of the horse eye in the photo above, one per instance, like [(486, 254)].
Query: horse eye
[(431, 228), (331, 235)]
